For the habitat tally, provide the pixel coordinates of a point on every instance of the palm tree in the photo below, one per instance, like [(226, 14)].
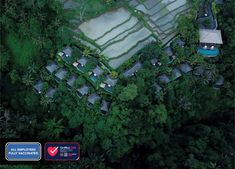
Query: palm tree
[(32, 68), (52, 128), (95, 159), (87, 52), (44, 101), (28, 79)]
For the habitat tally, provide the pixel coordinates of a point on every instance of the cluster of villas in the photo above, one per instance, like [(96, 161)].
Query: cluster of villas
[(94, 76), (183, 68), (210, 37)]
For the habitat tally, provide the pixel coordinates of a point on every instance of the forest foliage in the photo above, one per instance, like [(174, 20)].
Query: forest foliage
[(189, 125)]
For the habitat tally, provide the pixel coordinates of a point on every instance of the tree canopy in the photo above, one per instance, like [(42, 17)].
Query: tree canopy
[(187, 125)]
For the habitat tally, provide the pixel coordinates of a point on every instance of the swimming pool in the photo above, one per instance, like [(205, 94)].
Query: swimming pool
[(94, 78), (208, 53), (108, 89)]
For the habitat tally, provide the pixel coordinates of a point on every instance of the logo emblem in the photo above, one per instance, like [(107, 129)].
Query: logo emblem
[(62, 151), (52, 151)]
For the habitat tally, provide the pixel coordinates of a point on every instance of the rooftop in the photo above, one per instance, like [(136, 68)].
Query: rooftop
[(104, 106), (164, 79), (185, 67), (130, 72), (71, 80), (50, 92), (157, 87), (83, 90), (168, 51), (179, 42), (38, 86), (176, 73), (61, 73), (97, 71), (219, 2), (110, 81), (220, 81), (51, 67), (210, 36), (68, 51), (82, 61), (93, 98), (155, 62)]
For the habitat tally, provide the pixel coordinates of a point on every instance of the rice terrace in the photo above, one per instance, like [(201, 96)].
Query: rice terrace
[(121, 33)]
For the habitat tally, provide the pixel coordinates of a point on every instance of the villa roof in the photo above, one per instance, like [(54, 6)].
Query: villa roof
[(130, 72), (71, 80), (61, 73), (179, 42), (164, 79), (104, 106), (198, 71), (97, 71), (93, 98), (220, 81), (210, 36), (50, 92), (185, 67), (51, 67), (155, 61), (157, 87), (219, 2), (38, 86), (168, 51), (110, 81), (82, 61), (68, 51), (176, 73), (83, 90)]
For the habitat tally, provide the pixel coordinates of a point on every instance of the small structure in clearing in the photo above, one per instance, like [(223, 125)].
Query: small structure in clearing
[(131, 72)]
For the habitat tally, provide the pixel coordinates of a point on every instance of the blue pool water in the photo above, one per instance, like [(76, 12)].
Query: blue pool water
[(93, 78), (208, 53), (81, 69), (108, 89)]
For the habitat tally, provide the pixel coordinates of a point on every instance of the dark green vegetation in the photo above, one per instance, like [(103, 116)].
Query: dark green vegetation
[(189, 125)]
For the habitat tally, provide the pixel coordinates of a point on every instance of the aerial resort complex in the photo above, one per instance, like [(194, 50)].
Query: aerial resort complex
[(117, 84), (114, 38)]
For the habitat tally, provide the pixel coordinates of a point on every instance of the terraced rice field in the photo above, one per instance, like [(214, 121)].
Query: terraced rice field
[(98, 27), (118, 61), (161, 15), (118, 34)]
